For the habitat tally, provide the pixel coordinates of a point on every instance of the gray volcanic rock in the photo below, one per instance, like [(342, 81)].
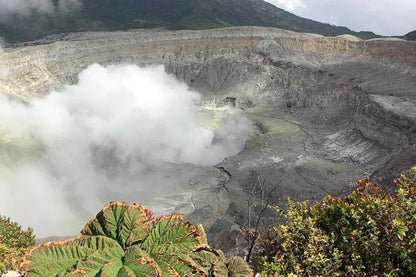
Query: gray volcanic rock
[(328, 111)]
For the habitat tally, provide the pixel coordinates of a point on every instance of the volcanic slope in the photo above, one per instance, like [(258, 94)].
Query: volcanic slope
[(111, 15)]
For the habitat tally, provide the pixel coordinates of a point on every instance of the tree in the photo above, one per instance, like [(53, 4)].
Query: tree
[(367, 233), (13, 244)]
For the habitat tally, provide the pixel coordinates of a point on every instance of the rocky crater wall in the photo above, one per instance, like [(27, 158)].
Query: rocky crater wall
[(306, 71)]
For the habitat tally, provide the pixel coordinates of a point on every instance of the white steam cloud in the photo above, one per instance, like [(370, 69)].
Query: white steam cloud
[(29, 7), (114, 135), (384, 17), (289, 5)]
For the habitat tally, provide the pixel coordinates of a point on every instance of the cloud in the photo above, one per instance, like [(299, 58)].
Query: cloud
[(29, 7), (289, 5), (122, 133), (69, 5), (383, 17)]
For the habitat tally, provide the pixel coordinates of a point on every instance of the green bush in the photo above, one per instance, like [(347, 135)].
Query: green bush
[(13, 244), (367, 233), (126, 240)]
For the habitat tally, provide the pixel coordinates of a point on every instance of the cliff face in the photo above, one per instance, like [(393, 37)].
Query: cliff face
[(328, 77), (328, 110)]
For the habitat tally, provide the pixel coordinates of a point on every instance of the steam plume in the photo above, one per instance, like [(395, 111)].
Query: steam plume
[(114, 135), (29, 7)]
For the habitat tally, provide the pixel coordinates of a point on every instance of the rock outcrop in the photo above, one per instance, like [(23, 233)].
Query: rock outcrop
[(328, 110)]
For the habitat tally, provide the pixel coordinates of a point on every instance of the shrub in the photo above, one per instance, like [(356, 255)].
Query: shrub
[(367, 233), (126, 240), (13, 244)]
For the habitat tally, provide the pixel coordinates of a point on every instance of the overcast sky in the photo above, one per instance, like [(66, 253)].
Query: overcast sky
[(384, 17)]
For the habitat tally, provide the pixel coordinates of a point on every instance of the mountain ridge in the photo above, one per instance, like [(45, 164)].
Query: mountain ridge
[(111, 15), (410, 36)]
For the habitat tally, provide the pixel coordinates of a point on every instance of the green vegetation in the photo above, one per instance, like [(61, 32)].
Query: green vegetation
[(99, 15), (13, 244), (126, 240), (367, 233)]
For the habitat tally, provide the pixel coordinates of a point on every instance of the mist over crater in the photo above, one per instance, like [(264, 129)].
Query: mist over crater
[(121, 133)]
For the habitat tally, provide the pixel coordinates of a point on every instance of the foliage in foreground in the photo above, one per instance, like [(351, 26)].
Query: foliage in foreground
[(13, 244), (126, 240), (367, 233)]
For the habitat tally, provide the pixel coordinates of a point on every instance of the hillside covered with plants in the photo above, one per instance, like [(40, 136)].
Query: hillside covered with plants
[(366, 233), (109, 15), (14, 242)]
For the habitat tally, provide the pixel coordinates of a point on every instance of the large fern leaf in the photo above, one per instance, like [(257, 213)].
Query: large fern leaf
[(212, 261), (170, 238), (125, 240), (170, 233), (85, 256), (120, 221), (139, 263), (237, 267)]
